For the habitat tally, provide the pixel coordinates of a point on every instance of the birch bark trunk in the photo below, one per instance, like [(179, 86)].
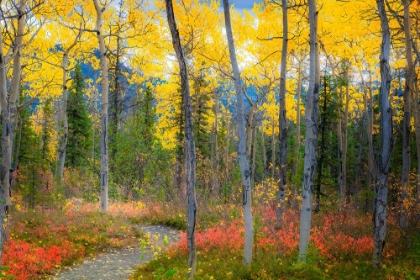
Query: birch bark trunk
[(311, 116), (190, 154), (242, 149), (104, 107), (380, 202)]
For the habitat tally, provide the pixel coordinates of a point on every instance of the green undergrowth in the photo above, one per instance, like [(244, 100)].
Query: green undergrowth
[(216, 264), (174, 216)]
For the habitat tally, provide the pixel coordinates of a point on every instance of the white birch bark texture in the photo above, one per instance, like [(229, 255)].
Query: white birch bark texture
[(243, 161), (281, 192), (104, 107), (190, 154), (311, 119), (381, 190)]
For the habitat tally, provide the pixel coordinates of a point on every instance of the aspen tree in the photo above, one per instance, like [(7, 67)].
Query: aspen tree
[(242, 149), (311, 116), (381, 189), (104, 104), (190, 154)]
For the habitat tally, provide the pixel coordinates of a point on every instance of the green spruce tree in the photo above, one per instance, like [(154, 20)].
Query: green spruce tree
[(80, 125)]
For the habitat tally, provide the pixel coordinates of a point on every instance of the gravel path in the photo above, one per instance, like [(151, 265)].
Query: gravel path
[(120, 263)]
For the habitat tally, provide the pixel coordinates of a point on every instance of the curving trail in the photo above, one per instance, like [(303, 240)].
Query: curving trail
[(120, 263)]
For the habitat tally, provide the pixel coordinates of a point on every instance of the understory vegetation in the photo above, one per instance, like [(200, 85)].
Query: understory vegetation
[(45, 239)]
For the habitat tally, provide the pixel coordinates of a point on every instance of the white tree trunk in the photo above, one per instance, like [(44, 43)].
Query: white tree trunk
[(104, 108), (190, 154), (242, 149), (380, 203), (311, 116)]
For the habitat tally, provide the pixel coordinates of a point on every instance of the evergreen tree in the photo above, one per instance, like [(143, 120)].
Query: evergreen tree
[(80, 142), (200, 110), (141, 162), (47, 133), (30, 158), (325, 160)]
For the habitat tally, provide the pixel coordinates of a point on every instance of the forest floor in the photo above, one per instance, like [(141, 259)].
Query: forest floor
[(78, 242), (121, 263)]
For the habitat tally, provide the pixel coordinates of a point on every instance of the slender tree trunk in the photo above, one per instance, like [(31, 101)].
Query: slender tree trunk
[(345, 138), (249, 130), (340, 145), (311, 116), (281, 193), (104, 107), (379, 215), (243, 161), (64, 137), (190, 155), (298, 93), (406, 153), (273, 149), (374, 170), (5, 144)]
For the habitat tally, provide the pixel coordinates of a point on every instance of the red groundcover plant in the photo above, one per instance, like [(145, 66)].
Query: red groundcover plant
[(26, 260), (335, 236)]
